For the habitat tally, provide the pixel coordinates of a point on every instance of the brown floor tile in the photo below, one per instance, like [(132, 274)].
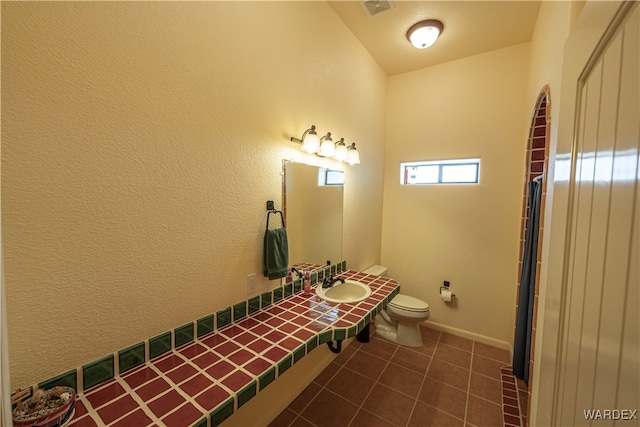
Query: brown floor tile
[(444, 397), (488, 367), (402, 379), (345, 355), (366, 364), (429, 334), (351, 385), (449, 374), (328, 409), (427, 348), (491, 352), (483, 413), (455, 341), (389, 404), (428, 416), (328, 373), (304, 398), (285, 418), (453, 355), (301, 422), (411, 360), (486, 388), (380, 348), (365, 418)]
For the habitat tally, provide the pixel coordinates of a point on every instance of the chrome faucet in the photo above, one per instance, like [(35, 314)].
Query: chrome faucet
[(295, 270), (330, 281)]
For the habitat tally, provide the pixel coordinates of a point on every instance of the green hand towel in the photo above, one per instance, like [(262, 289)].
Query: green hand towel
[(276, 253)]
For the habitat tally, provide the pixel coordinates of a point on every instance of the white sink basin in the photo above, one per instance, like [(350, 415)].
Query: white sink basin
[(349, 291)]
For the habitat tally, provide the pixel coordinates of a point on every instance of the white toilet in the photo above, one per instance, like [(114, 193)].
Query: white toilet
[(399, 322)]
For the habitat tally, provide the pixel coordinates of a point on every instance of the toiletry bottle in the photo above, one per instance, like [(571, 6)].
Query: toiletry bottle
[(289, 278), (307, 283)]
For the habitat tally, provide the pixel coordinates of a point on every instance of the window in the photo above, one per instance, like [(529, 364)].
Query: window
[(330, 177), (460, 171)]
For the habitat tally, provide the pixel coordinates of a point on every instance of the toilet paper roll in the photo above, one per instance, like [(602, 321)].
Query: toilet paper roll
[(445, 295)]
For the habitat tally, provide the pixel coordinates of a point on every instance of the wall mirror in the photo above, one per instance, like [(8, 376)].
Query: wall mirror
[(312, 199)]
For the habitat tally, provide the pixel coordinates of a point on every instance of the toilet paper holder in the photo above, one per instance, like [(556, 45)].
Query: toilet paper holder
[(445, 286)]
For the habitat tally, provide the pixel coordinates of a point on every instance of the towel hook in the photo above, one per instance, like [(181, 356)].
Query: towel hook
[(272, 210)]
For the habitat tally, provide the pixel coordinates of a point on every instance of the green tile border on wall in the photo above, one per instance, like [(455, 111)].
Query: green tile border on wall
[(98, 371), (239, 311), (205, 325), (254, 305), (68, 379), (222, 412), (183, 334), (265, 299), (277, 294), (223, 318), (131, 357), (288, 289), (159, 345)]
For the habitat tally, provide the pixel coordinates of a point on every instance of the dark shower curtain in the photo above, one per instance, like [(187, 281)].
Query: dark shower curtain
[(522, 341)]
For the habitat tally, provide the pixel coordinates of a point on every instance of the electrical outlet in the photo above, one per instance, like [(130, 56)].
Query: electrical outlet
[(251, 283)]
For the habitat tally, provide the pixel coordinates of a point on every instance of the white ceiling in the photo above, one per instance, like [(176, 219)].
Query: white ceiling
[(470, 28)]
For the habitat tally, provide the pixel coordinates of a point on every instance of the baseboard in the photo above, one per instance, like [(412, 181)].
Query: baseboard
[(469, 335), (269, 403)]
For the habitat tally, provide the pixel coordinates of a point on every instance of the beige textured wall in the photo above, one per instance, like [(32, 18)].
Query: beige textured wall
[(140, 142), (466, 234)]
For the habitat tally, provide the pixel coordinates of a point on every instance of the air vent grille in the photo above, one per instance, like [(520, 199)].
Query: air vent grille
[(373, 7)]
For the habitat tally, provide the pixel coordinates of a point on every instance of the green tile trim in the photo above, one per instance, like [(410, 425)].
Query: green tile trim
[(320, 276), (97, 371), (339, 334), (285, 364), (299, 353), (266, 300), (312, 343), (324, 337), (247, 393), (352, 332), (223, 318), (314, 277), (205, 325), (360, 325), (239, 311), (254, 305), (131, 357), (159, 345), (288, 289), (277, 294), (201, 423), (224, 411), (68, 379), (183, 334), (297, 285), (267, 378)]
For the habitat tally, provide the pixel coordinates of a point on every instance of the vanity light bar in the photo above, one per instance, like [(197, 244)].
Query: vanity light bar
[(326, 147)]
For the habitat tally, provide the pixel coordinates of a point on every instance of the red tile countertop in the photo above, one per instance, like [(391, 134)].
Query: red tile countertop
[(205, 381)]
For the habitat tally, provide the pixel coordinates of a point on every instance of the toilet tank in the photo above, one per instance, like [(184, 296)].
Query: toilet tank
[(376, 270)]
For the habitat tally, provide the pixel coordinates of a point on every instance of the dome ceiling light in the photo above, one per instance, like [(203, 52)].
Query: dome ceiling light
[(424, 33)]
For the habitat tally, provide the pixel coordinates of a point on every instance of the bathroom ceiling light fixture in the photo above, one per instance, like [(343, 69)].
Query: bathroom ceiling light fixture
[(424, 34), (326, 147), (309, 140)]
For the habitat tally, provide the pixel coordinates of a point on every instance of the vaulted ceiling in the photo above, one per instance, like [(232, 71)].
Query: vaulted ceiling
[(470, 28)]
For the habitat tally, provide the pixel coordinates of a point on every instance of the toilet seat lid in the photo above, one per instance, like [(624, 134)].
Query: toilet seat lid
[(405, 302)]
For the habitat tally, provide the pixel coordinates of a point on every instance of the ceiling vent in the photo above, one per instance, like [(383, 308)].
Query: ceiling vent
[(374, 7)]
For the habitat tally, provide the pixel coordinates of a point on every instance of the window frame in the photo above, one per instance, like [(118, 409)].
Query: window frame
[(441, 164)]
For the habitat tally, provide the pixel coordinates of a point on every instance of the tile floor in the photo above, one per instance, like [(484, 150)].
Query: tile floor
[(449, 381)]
